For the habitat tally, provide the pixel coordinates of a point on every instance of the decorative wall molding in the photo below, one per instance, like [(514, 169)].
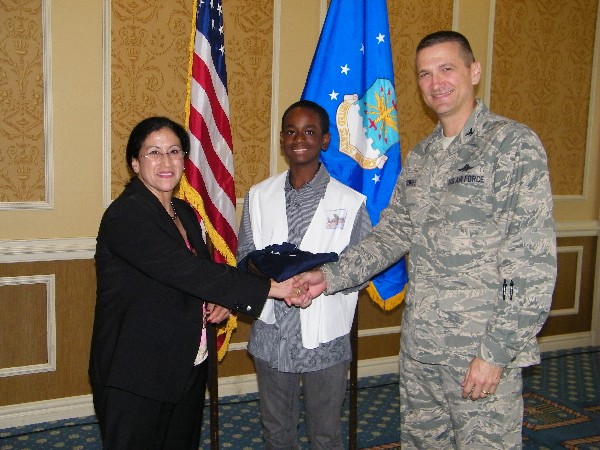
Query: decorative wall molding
[(236, 346), (47, 250), (462, 11), (524, 66), (274, 147), (81, 406), (50, 365), (591, 143), (578, 229), (563, 341), (107, 105), (578, 250), (47, 410), (48, 203)]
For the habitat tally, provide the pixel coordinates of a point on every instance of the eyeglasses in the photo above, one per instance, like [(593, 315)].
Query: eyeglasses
[(175, 154)]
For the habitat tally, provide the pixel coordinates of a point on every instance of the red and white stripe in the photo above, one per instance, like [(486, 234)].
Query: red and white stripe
[(209, 168)]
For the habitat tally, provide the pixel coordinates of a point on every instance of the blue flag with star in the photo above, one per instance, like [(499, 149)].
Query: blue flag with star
[(352, 77)]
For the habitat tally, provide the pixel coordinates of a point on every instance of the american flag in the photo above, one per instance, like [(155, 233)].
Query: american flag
[(208, 181)]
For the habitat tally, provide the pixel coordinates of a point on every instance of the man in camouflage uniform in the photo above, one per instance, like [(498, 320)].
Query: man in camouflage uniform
[(473, 208)]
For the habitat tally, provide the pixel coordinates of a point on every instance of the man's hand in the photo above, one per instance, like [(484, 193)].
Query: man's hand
[(482, 379), (314, 279)]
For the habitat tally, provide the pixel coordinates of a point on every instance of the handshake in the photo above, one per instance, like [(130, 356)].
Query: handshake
[(299, 290), (299, 282)]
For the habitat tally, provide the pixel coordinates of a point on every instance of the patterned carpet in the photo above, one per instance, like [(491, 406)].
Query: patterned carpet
[(562, 411)]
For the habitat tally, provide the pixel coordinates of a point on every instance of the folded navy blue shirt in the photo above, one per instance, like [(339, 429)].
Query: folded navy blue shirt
[(282, 261)]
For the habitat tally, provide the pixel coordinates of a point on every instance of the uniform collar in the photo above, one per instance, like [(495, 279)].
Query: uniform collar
[(468, 132)]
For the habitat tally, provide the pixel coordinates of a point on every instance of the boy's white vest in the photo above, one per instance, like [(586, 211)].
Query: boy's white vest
[(328, 317)]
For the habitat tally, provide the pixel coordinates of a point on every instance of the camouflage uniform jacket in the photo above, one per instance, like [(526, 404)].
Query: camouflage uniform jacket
[(471, 216)]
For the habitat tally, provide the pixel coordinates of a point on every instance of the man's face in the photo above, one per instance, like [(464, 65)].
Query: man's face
[(447, 83)]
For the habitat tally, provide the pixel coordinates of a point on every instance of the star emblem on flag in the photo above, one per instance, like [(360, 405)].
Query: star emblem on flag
[(352, 77)]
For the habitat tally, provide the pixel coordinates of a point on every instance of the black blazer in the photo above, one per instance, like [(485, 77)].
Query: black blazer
[(150, 292)]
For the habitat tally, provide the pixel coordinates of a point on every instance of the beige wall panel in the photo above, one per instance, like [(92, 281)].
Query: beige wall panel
[(22, 145), (409, 23), (242, 332), (379, 346), (23, 327), (566, 288), (149, 69), (75, 107), (565, 291), (74, 303), (471, 18), (249, 46), (299, 27), (542, 73), (370, 315), (236, 363)]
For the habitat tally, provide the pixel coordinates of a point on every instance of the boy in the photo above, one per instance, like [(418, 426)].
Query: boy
[(305, 207)]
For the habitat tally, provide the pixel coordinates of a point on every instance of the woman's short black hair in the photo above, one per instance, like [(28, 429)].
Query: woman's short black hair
[(149, 125)]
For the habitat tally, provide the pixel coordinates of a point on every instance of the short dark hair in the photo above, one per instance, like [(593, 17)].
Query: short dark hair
[(323, 116), (440, 37), (149, 125)]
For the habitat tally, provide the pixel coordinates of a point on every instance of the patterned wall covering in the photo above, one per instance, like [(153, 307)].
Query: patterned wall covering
[(542, 61), (249, 40), (150, 54), (149, 64), (22, 146), (409, 22), (149, 70)]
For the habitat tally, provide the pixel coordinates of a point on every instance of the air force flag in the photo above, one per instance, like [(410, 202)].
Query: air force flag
[(352, 77)]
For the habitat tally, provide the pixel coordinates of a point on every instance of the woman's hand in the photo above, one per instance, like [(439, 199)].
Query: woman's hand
[(216, 313), (290, 292)]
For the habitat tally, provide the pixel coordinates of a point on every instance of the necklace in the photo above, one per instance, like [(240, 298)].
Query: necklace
[(174, 216)]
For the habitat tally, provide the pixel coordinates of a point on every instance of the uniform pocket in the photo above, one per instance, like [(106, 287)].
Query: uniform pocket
[(466, 310)]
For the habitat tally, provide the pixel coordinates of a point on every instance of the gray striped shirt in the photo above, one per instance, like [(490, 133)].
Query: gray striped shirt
[(280, 344)]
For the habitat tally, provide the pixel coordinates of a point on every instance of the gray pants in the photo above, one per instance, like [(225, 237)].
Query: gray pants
[(279, 394), (433, 413)]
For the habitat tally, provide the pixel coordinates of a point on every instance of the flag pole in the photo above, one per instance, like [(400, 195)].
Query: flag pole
[(352, 426), (213, 387), (207, 185), (213, 374)]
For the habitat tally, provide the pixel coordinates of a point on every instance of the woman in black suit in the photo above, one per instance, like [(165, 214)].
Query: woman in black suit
[(155, 285)]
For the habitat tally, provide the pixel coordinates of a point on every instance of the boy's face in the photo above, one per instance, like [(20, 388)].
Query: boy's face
[(301, 137)]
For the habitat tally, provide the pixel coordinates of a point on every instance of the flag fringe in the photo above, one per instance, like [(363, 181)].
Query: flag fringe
[(226, 329), (188, 93), (194, 199), (188, 193), (387, 304)]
